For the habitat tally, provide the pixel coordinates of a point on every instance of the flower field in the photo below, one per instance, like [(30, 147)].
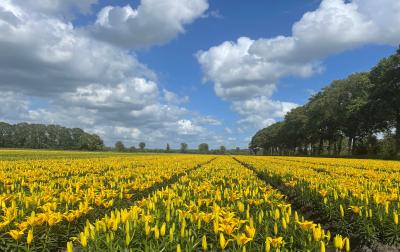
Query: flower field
[(196, 203)]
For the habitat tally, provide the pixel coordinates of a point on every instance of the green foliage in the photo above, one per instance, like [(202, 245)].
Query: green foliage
[(142, 145), (203, 148), (387, 146), (184, 147), (385, 94), (39, 136), (120, 147), (347, 112)]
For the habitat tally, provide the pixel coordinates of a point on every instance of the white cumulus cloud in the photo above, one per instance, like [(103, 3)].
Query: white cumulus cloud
[(54, 72), (246, 71), (152, 22)]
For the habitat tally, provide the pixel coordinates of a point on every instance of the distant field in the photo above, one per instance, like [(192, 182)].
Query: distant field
[(92, 201)]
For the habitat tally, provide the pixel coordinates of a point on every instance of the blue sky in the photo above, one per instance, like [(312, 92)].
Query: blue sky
[(181, 71)]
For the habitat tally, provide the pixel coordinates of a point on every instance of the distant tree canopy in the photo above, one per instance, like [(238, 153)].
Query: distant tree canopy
[(119, 146), (343, 118), (142, 145), (184, 147), (203, 148), (39, 136)]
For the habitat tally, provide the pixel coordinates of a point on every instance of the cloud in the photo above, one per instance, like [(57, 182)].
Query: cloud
[(207, 120), (186, 127), (133, 28), (261, 111), (42, 55), (53, 72), (13, 106), (228, 130), (246, 71), (64, 8), (213, 14), (172, 98), (133, 93), (130, 133)]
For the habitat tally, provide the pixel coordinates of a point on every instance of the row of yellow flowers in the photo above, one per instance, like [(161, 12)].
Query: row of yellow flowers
[(359, 197), (220, 206), (44, 201)]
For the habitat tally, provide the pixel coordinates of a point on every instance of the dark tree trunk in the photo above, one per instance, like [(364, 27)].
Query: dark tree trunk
[(353, 145), (340, 145), (349, 147), (330, 146), (321, 146), (335, 152)]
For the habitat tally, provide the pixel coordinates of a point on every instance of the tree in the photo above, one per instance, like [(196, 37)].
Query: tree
[(203, 148), (237, 149), (184, 147), (295, 130), (222, 149), (385, 93), (142, 145), (168, 148), (132, 149), (119, 146), (353, 109), (40, 136), (387, 146)]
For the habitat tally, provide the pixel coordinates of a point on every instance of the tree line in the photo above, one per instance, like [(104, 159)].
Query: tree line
[(354, 116), (202, 148), (40, 136)]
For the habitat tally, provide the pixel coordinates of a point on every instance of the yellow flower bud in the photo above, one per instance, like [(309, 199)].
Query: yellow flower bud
[(277, 214), (240, 206), (267, 245), (83, 239), (222, 241), (284, 225), (347, 244), (204, 242), (127, 238), (29, 238), (156, 232), (341, 211), (70, 246), (275, 229), (163, 229), (322, 246), (171, 234), (147, 229)]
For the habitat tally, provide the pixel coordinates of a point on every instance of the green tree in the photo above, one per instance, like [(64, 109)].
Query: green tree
[(385, 93), (142, 145), (168, 148), (222, 149), (387, 146), (40, 136), (184, 147), (203, 148), (119, 146)]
